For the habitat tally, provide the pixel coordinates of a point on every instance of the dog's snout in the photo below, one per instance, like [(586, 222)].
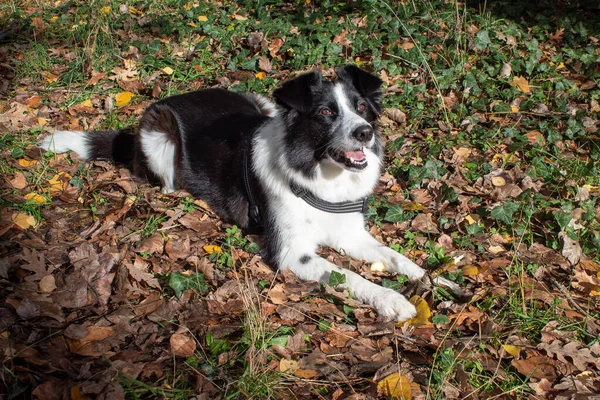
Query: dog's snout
[(363, 133)]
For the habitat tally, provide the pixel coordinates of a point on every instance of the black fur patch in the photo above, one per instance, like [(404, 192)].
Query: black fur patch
[(304, 259)]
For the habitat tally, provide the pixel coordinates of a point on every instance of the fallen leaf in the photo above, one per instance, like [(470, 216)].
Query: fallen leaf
[(571, 248), (36, 198), (33, 101), (305, 373), (212, 249), (261, 75), (521, 84), (26, 163), (423, 312), (182, 344), (167, 70), (471, 270), (406, 46), (202, 18), (395, 386), (47, 284), (123, 98), (505, 71), (265, 64), (19, 181), (514, 351), (288, 366), (23, 221), (498, 181), (537, 367), (275, 46), (535, 137)]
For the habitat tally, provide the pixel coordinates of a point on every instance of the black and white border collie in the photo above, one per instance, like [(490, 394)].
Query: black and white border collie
[(299, 169)]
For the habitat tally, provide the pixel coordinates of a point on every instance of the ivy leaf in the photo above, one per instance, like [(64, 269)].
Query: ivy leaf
[(336, 279), (394, 213), (180, 282), (505, 212), (482, 40)]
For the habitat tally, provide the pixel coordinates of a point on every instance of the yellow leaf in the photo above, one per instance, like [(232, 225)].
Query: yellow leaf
[(26, 163), (471, 220), (23, 221), (261, 75), (512, 350), (86, 103), (53, 19), (37, 198), (498, 181), (202, 18), (123, 98), (395, 386), (514, 109), (521, 84), (212, 249), (560, 66), (470, 270), (289, 366), (168, 70), (59, 181), (423, 311)]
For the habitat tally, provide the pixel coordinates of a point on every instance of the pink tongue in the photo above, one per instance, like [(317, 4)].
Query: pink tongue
[(357, 155)]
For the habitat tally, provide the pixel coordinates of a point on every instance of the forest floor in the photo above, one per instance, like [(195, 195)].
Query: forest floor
[(110, 289)]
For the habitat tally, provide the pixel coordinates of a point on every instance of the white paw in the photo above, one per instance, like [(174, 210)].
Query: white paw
[(404, 266), (393, 305)]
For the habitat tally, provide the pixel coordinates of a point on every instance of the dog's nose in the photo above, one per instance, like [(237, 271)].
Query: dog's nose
[(363, 133)]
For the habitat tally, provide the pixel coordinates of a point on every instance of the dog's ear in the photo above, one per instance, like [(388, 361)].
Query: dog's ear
[(367, 84), (297, 94)]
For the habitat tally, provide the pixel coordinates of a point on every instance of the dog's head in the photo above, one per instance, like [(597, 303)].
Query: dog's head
[(331, 121)]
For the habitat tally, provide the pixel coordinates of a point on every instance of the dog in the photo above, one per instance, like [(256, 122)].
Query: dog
[(299, 169)]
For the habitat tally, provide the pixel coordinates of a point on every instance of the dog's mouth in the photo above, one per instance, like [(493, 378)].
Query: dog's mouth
[(355, 159)]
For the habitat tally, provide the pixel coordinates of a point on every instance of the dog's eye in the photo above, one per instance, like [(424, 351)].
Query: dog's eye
[(326, 111), (362, 107)]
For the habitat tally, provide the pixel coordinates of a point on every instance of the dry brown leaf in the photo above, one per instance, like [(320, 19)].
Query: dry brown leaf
[(571, 248), (305, 373), (535, 137), (19, 181), (275, 46), (47, 284), (23, 221), (265, 64), (182, 344), (396, 115), (288, 366)]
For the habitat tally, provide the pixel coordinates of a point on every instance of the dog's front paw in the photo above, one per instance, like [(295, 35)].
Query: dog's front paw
[(404, 266), (393, 305)]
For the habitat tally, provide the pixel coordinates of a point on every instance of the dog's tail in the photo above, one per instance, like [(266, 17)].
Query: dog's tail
[(118, 146)]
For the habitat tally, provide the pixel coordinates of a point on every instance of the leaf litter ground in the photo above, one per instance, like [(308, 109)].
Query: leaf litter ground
[(111, 289)]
